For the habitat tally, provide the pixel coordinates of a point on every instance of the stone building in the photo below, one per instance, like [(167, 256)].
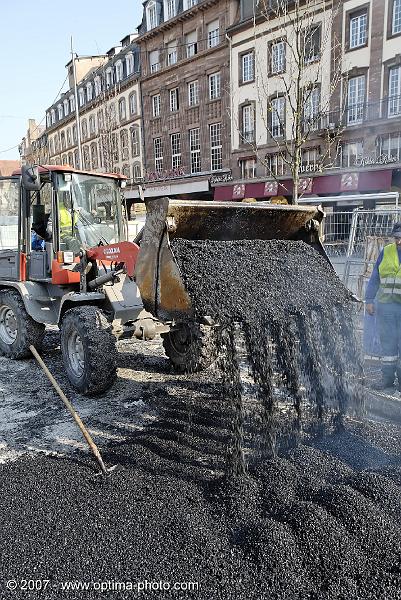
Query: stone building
[(360, 118), (34, 148), (185, 76), (109, 106)]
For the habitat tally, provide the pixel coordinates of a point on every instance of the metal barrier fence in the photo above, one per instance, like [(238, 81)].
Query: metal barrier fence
[(336, 232)]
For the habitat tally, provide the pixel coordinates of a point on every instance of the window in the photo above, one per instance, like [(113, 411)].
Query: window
[(311, 109), (174, 100), (119, 71), (277, 117), (98, 85), (394, 92), (189, 4), (247, 67), (194, 150), (213, 37), (277, 57), (66, 107), (122, 111), (71, 159), (111, 113), (124, 144), (69, 139), (156, 105), (193, 93), (248, 168), (86, 157), (137, 171), (48, 119), (275, 165), (191, 41), (310, 159), (76, 159), (60, 111), (154, 61), (151, 16), (248, 123), (72, 103), (81, 96), (92, 125), (356, 99), (170, 9), (390, 145), (94, 156), (133, 103), (89, 91), (84, 129), (175, 139), (100, 120), (9, 202), (74, 134), (172, 53), (158, 152), (129, 64), (62, 138), (396, 17), (349, 152), (52, 116), (216, 148), (214, 86), (114, 148), (312, 44), (126, 170), (358, 29), (109, 77), (135, 141)]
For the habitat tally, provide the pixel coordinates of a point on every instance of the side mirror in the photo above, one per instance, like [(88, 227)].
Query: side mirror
[(30, 178)]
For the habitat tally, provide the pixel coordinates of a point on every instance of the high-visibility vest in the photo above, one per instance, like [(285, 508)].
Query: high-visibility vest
[(390, 275), (66, 219)]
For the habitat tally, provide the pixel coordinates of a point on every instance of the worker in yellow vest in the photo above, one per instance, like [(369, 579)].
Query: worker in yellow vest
[(66, 217), (385, 286)]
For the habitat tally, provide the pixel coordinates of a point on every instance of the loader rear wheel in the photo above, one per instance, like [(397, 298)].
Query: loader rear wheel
[(89, 350), (17, 329), (191, 347)]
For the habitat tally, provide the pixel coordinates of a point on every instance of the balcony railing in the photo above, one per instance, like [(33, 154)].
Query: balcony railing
[(358, 114)]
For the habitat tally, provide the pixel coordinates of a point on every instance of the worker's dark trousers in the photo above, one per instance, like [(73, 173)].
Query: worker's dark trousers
[(389, 324)]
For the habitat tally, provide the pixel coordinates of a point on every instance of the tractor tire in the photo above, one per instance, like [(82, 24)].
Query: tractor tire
[(191, 347), (89, 350), (17, 329)]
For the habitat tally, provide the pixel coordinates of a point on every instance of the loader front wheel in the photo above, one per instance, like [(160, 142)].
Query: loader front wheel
[(191, 347), (89, 350), (17, 329)]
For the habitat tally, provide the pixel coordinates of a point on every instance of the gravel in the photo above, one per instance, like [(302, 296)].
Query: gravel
[(317, 520)]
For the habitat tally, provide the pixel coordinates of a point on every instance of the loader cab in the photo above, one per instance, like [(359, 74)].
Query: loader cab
[(48, 211)]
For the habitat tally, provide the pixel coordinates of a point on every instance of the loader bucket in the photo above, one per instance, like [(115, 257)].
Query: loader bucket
[(157, 274)]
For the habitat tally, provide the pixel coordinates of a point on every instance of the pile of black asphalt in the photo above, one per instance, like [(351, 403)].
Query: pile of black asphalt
[(315, 519)]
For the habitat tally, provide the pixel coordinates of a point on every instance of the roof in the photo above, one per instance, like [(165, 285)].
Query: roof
[(7, 167), (69, 169)]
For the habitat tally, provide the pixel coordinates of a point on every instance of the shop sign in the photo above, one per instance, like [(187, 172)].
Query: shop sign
[(271, 188), (311, 168), (223, 178), (349, 182), (164, 175), (305, 185), (367, 161), (239, 191)]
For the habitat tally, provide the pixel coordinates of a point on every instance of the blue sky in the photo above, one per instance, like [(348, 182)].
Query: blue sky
[(35, 47)]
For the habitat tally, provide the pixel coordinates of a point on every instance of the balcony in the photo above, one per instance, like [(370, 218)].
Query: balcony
[(359, 114)]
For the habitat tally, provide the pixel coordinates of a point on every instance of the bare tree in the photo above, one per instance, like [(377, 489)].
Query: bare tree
[(295, 80)]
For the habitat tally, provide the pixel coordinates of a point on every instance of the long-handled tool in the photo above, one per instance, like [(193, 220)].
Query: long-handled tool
[(77, 419)]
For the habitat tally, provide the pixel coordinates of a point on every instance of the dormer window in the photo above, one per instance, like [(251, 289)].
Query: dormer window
[(119, 71), (98, 85), (109, 77), (189, 4), (89, 91), (72, 103), (151, 15), (60, 111), (169, 9), (65, 106), (129, 63), (48, 120), (81, 96)]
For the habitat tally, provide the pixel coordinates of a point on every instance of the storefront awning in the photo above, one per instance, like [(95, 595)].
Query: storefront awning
[(358, 181)]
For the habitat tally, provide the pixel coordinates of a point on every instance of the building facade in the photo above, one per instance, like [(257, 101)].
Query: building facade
[(185, 78), (354, 144), (34, 148), (109, 106)]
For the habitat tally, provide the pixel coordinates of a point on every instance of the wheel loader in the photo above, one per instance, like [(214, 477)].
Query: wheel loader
[(65, 260)]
